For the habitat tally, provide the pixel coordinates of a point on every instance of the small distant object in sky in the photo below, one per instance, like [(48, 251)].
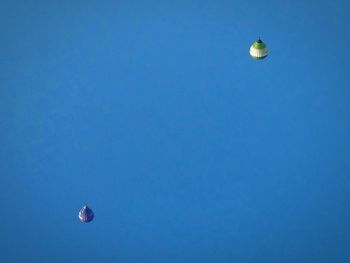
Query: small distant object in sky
[(85, 214), (258, 50)]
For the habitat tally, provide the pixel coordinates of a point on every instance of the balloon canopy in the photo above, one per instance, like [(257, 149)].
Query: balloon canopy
[(258, 49), (85, 214)]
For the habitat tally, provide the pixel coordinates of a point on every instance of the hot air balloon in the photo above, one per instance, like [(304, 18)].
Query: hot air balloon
[(258, 50), (86, 215)]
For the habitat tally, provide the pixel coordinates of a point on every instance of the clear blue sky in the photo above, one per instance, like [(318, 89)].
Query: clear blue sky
[(187, 150)]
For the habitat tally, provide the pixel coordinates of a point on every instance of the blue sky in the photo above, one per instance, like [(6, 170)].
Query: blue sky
[(187, 150)]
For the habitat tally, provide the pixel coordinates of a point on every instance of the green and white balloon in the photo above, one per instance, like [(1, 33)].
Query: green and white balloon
[(258, 50)]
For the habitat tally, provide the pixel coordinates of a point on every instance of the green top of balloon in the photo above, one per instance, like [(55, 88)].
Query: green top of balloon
[(259, 44)]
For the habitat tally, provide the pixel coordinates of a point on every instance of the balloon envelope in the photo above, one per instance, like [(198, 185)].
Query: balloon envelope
[(86, 215), (258, 50)]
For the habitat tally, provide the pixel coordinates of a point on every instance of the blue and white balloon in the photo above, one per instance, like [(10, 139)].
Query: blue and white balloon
[(85, 214)]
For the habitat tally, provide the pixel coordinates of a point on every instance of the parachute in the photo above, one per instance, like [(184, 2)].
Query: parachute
[(85, 214)]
